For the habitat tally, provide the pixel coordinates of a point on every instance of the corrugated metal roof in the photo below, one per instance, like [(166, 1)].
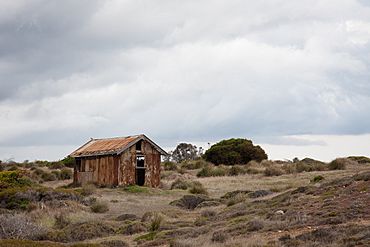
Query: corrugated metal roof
[(110, 146)]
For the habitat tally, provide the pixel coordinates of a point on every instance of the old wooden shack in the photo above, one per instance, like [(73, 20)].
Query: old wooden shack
[(118, 161)]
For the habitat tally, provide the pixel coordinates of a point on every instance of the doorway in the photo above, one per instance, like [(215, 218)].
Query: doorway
[(140, 170)]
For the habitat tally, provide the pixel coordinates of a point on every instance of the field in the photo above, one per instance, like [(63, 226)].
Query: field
[(317, 208)]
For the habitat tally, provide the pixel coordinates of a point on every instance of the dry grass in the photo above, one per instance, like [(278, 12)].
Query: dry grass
[(254, 217)]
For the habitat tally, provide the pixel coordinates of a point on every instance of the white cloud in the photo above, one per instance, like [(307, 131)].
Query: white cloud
[(182, 70)]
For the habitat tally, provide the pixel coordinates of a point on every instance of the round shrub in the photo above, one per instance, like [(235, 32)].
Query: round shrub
[(234, 151), (180, 184), (88, 189), (219, 236), (340, 164), (99, 207), (273, 171), (197, 188), (65, 173), (169, 166), (317, 178)]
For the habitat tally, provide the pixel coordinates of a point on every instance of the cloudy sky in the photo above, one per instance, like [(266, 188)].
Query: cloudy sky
[(293, 76)]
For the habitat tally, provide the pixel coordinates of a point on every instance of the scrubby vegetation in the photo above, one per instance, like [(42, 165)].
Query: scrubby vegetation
[(234, 151), (269, 203), (99, 207)]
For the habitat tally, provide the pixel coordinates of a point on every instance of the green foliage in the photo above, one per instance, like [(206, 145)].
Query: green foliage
[(88, 189), (317, 178), (273, 171), (185, 151), (56, 165), (198, 188), (234, 151), (61, 221), (99, 207), (220, 237), (211, 171), (237, 170), (81, 231), (309, 165), (13, 179), (48, 176), (180, 184), (65, 173), (360, 159), (155, 222), (147, 237), (194, 164), (136, 189), (68, 162), (341, 163), (169, 166)]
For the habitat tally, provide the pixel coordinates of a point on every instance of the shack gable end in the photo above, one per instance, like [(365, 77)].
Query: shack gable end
[(138, 163)]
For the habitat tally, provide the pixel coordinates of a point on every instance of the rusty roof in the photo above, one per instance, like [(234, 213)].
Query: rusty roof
[(107, 146)]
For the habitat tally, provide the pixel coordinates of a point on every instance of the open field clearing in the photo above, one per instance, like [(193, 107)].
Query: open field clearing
[(327, 207)]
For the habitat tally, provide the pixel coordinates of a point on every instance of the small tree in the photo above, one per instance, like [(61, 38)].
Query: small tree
[(185, 151), (234, 151)]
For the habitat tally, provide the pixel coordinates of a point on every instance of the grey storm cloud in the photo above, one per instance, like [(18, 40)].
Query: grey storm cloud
[(199, 70)]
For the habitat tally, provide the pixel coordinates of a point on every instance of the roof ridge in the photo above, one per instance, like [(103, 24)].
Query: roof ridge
[(118, 137)]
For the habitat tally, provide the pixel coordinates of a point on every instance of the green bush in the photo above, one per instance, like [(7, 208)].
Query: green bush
[(339, 164), (68, 162), (210, 171), (86, 230), (220, 237), (237, 170), (317, 178), (273, 171), (198, 188), (234, 151), (56, 174), (132, 228), (13, 179), (205, 172), (65, 173), (99, 207), (238, 198), (180, 184), (360, 159), (47, 176), (169, 166), (194, 164), (309, 165), (156, 222), (61, 221), (56, 165), (88, 189)]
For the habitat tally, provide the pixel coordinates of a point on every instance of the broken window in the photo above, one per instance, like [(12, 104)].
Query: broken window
[(140, 170), (140, 161), (138, 146)]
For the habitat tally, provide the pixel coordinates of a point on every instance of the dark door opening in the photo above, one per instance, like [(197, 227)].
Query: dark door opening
[(140, 170)]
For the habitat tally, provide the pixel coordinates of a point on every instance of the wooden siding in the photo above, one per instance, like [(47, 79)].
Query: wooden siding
[(152, 164), (103, 168), (112, 170), (127, 167)]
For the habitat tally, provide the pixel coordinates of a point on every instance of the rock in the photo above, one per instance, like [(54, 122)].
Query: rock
[(279, 212)]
